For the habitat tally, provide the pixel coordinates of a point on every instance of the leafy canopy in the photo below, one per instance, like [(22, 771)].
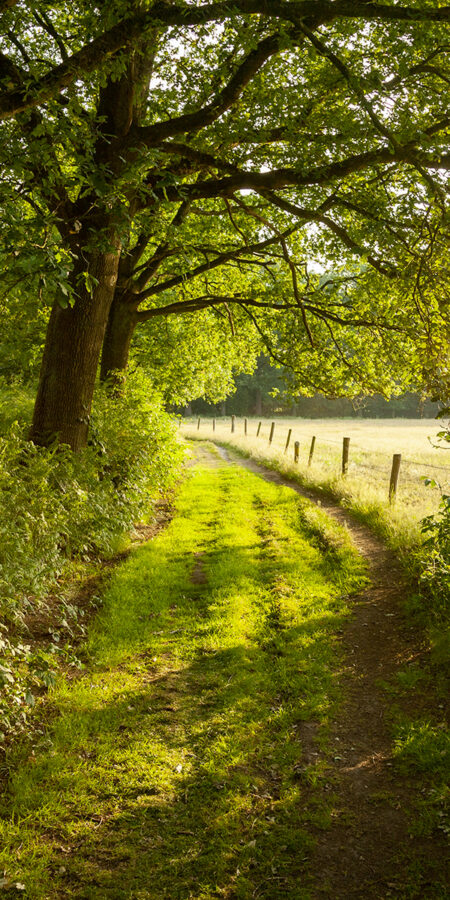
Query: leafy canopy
[(279, 166)]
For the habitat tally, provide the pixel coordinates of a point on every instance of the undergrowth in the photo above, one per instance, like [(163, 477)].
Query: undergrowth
[(59, 511)]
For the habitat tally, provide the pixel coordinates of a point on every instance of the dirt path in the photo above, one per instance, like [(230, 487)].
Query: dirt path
[(368, 850)]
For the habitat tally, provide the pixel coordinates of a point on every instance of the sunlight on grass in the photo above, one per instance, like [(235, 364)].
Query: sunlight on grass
[(170, 770)]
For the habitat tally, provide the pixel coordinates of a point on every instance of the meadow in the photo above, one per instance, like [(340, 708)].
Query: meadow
[(365, 487)]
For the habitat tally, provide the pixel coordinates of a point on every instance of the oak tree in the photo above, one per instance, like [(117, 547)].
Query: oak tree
[(279, 165)]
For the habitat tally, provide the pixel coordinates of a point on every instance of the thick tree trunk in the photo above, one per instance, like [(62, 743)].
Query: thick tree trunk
[(118, 336), (71, 355)]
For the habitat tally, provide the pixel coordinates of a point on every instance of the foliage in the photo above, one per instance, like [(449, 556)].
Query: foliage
[(57, 505), (314, 216), (24, 316), (16, 403), (264, 392), (436, 560), (436, 530), (194, 356), (26, 673)]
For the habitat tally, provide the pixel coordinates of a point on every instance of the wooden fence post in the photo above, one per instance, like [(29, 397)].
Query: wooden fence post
[(395, 471), (232, 424), (245, 427), (311, 450), (345, 454), (272, 429), (296, 451), (288, 439), (214, 424), (198, 425), (258, 430)]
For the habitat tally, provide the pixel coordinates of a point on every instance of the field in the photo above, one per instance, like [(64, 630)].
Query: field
[(372, 445)]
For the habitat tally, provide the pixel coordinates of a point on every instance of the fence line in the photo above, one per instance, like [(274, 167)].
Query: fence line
[(405, 460), (346, 462)]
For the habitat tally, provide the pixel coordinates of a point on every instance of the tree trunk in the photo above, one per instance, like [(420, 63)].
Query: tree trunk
[(116, 345), (71, 355), (258, 402)]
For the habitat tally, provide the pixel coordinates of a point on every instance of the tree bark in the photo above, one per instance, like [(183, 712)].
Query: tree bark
[(71, 355), (116, 345), (75, 335)]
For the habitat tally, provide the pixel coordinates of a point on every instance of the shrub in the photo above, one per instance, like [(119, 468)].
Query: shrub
[(16, 403), (56, 505), (435, 575)]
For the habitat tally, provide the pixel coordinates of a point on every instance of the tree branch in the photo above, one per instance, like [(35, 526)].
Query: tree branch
[(282, 178), (337, 229), (206, 301), (7, 4), (352, 82), (193, 121), (46, 23), (92, 55), (161, 252), (203, 159), (213, 264)]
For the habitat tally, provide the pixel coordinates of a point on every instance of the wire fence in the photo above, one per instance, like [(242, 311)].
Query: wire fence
[(347, 457)]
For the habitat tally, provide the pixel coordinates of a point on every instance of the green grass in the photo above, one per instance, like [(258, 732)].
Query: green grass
[(421, 740), (175, 765)]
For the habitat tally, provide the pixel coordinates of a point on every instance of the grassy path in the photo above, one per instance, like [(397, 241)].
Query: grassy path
[(190, 761)]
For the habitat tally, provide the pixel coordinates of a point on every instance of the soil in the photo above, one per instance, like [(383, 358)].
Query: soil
[(367, 851)]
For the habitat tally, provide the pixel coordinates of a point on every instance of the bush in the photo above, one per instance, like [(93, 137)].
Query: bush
[(56, 505), (435, 575), (16, 404)]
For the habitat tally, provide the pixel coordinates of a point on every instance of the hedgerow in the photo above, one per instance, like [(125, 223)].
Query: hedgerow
[(58, 509)]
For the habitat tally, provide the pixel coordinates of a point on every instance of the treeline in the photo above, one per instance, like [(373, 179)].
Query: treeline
[(264, 394)]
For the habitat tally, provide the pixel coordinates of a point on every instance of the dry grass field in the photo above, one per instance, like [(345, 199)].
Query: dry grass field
[(372, 445)]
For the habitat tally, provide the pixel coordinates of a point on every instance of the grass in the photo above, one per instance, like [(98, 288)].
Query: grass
[(175, 765), (365, 488), (421, 740)]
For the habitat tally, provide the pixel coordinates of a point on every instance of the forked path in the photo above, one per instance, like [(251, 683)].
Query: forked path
[(368, 852)]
